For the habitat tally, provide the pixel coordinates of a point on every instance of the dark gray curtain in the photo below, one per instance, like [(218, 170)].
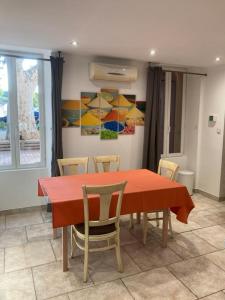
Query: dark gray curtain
[(57, 73), (154, 118)]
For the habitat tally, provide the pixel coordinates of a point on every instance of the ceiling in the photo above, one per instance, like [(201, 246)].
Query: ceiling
[(183, 32)]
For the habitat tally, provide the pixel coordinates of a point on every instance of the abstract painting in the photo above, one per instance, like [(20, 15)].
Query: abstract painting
[(124, 104), (70, 113), (140, 113), (90, 113), (109, 125)]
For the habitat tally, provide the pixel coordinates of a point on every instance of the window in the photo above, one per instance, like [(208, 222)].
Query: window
[(174, 113), (21, 113)]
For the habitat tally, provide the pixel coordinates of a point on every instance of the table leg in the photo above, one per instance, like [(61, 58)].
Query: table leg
[(165, 227), (65, 248), (138, 216)]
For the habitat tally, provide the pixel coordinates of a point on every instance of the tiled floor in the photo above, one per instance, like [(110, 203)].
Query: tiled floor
[(192, 267)]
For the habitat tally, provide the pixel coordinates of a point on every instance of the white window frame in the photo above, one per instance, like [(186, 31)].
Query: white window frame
[(13, 113), (168, 79)]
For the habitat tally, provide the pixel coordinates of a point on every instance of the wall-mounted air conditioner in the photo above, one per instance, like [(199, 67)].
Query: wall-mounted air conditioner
[(99, 71)]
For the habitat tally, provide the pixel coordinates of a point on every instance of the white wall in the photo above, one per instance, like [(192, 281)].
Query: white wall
[(75, 81), (18, 188), (210, 142)]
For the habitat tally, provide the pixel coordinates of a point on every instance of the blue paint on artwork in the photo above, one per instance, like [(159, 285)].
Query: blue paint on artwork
[(114, 126)]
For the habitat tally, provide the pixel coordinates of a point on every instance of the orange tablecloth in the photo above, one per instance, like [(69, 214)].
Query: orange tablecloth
[(145, 191)]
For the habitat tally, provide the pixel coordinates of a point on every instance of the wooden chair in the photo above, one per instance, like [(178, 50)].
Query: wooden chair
[(106, 228), (166, 169), (73, 164), (105, 162)]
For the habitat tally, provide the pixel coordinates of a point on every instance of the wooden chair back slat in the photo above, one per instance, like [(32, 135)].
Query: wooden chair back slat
[(106, 161), (73, 164), (105, 193), (167, 169)]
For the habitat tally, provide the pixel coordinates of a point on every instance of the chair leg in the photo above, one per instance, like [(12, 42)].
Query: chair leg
[(54, 233), (131, 226), (118, 254), (170, 225), (86, 252), (138, 218), (145, 227), (72, 244), (157, 219)]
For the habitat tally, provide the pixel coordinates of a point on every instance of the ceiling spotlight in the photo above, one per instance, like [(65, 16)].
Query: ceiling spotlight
[(152, 52), (74, 43), (218, 59)]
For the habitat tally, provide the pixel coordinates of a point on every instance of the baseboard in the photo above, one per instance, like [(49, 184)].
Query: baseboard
[(23, 209), (208, 195)]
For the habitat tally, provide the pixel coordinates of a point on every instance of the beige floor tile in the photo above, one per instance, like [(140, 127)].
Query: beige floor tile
[(12, 237), (39, 232), (189, 245), (28, 255), (216, 296), (126, 237), (151, 256), (62, 297), (204, 220), (218, 258), (46, 216), (2, 223), (23, 219), (103, 266), (179, 227), (57, 248), (214, 235), (17, 286), (51, 281), (200, 275), (114, 290), (157, 284), (2, 260)]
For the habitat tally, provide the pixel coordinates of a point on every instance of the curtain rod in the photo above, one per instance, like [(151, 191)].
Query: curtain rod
[(28, 57), (184, 72), (179, 71)]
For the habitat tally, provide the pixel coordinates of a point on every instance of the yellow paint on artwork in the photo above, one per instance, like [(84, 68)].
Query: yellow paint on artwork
[(71, 104), (121, 101), (135, 113), (85, 99), (88, 119), (83, 106)]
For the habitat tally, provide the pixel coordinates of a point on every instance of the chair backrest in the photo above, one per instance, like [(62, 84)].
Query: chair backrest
[(105, 193), (73, 164), (167, 169), (106, 161)]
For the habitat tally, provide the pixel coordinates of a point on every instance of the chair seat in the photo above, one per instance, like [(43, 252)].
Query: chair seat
[(97, 230)]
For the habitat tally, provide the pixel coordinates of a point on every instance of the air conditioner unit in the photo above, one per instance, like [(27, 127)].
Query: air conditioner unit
[(99, 71)]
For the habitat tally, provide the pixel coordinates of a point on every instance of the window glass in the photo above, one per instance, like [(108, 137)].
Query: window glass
[(28, 110)]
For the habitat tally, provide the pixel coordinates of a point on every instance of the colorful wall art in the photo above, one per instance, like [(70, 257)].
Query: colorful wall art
[(140, 117), (70, 113), (109, 125), (123, 104), (107, 113), (90, 114)]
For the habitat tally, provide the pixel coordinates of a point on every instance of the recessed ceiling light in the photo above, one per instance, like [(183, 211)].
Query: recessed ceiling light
[(74, 43), (123, 69), (152, 52), (218, 58)]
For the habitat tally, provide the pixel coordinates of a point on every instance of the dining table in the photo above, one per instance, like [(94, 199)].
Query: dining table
[(145, 191)]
